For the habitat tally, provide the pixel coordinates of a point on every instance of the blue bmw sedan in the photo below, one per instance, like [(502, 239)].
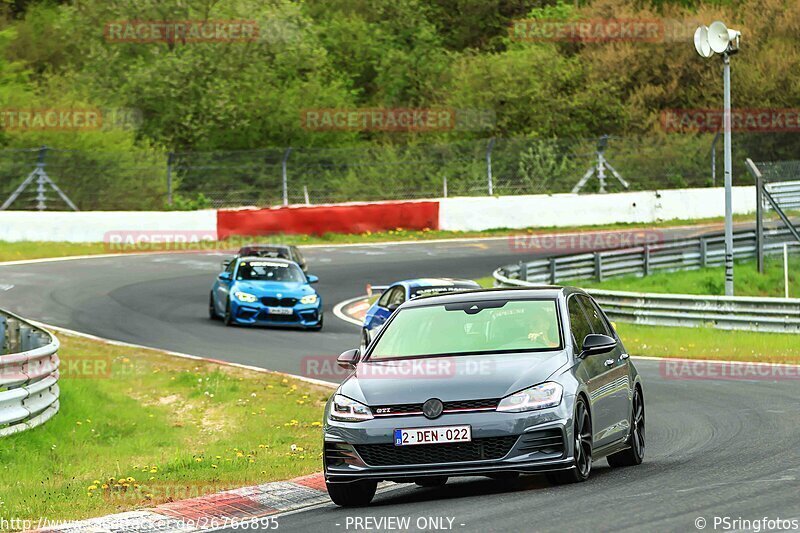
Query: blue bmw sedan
[(268, 292)]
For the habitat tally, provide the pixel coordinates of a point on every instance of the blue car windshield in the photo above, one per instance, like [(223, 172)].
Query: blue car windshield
[(255, 270), (470, 328)]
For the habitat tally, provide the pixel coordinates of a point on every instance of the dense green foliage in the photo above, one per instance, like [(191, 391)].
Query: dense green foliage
[(350, 54)]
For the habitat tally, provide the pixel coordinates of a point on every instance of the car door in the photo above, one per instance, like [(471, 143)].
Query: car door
[(223, 287), (617, 367), (592, 369)]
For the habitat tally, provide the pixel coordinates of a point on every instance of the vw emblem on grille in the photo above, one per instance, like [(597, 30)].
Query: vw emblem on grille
[(432, 408)]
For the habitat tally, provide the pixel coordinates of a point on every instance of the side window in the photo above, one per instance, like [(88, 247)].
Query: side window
[(596, 319), (398, 296), (231, 267), (579, 325), (387, 296)]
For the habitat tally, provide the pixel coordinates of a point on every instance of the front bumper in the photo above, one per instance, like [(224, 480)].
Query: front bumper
[(303, 315), (537, 441)]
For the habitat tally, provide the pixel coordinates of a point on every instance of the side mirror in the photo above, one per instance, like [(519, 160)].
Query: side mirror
[(312, 278), (226, 263), (595, 344), (349, 359), (224, 276)]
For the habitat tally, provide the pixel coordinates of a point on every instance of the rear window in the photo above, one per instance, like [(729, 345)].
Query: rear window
[(467, 328)]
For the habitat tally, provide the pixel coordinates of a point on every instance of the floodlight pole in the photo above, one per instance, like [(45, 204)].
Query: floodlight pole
[(726, 74)]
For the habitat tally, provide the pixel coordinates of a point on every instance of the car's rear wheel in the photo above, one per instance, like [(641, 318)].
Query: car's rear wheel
[(633, 456), (212, 312), (582, 455), (355, 494), (431, 481)]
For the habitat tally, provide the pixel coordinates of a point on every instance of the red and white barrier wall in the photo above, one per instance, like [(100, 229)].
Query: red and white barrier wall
[(457, 214)]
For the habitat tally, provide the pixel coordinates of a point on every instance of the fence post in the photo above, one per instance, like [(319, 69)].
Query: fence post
[(598, 266), (170, 161), (305, 195), (489, 165), (552, 271), (284, 182), (444, 187), (646, 265), (523, 271), (703, 252), (760, 223)]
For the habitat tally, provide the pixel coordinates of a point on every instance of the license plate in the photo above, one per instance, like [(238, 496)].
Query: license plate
[(410, 437), (280, 310)]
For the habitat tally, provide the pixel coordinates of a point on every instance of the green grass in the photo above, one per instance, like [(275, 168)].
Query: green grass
[(747, 280), (14, 251), (178, 428)]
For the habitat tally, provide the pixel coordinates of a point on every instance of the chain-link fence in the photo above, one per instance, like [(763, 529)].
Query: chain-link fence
[(502, 166)]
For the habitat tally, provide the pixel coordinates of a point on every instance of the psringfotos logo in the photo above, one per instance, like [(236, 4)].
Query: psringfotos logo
[(588, 30), (742, 120), (180, 31), (554, 244)]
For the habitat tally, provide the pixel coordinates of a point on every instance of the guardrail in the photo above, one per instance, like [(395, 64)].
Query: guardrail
[(28, 374), (723, 312)]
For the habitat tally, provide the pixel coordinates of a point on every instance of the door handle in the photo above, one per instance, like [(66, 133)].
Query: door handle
[(609, 362), (624, 357)]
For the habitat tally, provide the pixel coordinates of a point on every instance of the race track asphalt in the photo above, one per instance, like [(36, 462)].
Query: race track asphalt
[(715, 448)]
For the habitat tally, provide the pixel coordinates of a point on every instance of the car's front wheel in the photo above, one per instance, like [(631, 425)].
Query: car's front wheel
[(355, 494), (633, 456), (227, 319), (582, 455)]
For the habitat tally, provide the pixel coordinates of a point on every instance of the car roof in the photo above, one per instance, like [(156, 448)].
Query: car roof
[(265, 247), (506, 293), (436, 282)]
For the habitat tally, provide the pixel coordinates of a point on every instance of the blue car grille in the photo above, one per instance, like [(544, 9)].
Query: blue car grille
[(279, 302), (485, 449)]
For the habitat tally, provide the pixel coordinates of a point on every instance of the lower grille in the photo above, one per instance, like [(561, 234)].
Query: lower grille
[(547, 441), (276, 318), (421, 454)]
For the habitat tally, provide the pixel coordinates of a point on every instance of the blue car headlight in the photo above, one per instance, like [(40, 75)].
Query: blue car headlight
[(245, 297), (541, 396), (344, 409), (309, 299)]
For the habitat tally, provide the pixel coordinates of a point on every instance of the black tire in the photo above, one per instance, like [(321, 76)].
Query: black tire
[(318, 327), (582, 455), (212, 312), (355, 494), (228, 319), (632, 456), (431, 481)]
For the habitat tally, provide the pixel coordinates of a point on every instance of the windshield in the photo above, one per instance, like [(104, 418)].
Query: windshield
[(269, 271), (481, 327)]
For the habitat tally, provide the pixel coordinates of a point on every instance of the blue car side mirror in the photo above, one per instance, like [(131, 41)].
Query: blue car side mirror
[(312, 278), (224, 276)]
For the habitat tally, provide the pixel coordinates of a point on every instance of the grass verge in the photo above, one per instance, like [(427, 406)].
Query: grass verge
[(138, 428), (16, 251)]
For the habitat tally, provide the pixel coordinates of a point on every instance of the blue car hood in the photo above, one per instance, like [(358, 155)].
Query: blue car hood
[(450, 378), (272, 288)]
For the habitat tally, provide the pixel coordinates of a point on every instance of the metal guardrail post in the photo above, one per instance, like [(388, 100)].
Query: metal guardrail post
[(523, 271), (553, 271), (703, 252), (646, 260), (3, 322), (598, 266), (759, 217)]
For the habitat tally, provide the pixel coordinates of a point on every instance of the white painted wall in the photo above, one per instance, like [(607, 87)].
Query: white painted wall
[(474, 214), (104, 226)]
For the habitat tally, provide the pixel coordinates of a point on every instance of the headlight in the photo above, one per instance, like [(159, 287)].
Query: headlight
[(245, 297), (346, 410), (538, 397), (309, 299)]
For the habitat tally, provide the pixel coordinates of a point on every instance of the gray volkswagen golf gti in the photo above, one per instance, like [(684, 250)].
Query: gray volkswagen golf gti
[(484, 383)]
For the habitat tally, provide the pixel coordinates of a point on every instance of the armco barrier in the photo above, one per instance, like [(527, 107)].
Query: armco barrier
[(316, 220), (28, 375), (722, 312)]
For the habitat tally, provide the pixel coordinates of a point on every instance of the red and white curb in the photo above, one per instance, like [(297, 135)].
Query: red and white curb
[(223, 509)]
